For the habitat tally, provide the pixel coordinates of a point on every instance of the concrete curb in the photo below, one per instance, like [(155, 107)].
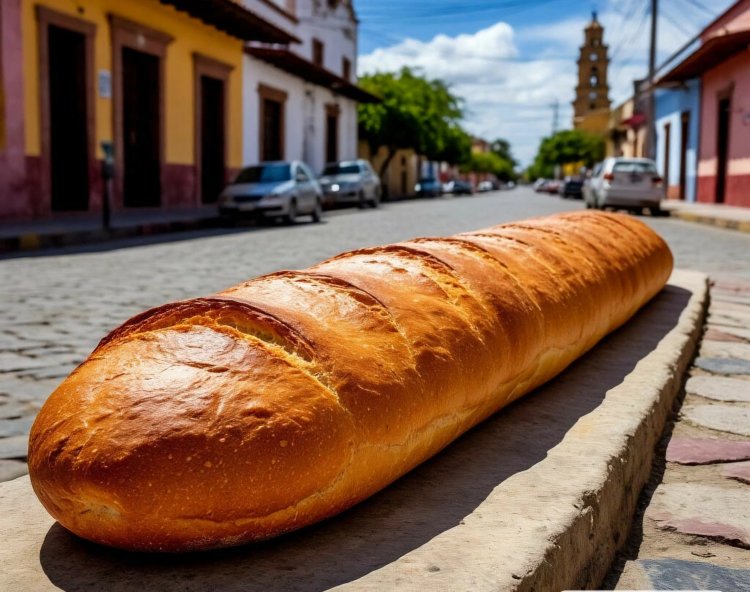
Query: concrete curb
[(727, 223), (538, 497), (30, 241)]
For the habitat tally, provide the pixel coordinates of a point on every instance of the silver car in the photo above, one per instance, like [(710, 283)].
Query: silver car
[(273, 190), (351, 181), (628, 183)]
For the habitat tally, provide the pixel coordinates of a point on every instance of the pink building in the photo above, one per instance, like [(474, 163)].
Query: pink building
[(723, 61), (721, 65)]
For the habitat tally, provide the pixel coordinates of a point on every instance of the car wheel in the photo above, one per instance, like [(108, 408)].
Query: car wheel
[(656, 210), (291, 216), (361, 201), (317, 213), (375, 201)]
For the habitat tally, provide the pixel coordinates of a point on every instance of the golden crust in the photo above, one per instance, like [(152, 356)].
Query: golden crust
[(293, 396)]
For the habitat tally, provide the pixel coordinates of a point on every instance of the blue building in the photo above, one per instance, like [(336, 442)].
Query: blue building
[(677, 120)]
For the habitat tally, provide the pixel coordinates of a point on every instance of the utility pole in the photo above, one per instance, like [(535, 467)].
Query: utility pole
[(650, 149), (555, 111)]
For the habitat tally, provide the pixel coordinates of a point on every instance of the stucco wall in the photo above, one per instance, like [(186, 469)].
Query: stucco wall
[(669, 106), (190, 35), (731, 76), (304, 116), (14, 202)]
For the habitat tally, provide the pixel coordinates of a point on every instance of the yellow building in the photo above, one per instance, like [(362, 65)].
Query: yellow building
[(402, 173), (158, 80)]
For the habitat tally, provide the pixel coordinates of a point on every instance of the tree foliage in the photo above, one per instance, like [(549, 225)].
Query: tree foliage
[(501, 147), (489, 162), (416, 113), (567, 146)]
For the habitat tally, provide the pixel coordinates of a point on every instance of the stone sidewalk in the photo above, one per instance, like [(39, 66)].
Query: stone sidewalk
[(730, 217), (694, 529)]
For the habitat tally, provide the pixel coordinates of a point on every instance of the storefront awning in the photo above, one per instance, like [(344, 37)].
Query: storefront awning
[(710, 54), (302, 68), (234, 19)]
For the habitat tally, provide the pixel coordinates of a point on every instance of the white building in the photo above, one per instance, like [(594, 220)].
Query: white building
[(300, 101)]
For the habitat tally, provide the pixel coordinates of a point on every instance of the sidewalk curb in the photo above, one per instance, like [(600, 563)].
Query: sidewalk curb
[(726, 223), (538, 498), (31, 241)]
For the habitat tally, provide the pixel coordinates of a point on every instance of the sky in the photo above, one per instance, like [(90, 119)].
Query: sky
[(512, 60)]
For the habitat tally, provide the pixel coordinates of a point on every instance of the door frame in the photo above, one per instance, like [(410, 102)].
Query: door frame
[(279, 96), (332, 111), (684, 138), (207, 66), (127, 33), (727, 94), (45, 18)]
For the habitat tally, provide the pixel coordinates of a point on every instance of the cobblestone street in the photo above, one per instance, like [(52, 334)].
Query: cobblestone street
[(58, 305)]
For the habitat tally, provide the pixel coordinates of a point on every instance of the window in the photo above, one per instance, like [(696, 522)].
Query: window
[(634, 166), (301, 176), (271, 141), (317, 52), (594, 80), (342, 168), (346, 68), (267, 173), (593, 57), (332, 133)]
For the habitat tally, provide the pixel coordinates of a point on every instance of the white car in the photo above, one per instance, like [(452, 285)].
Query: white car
[(273, 190), (351, 181), (625, 183)]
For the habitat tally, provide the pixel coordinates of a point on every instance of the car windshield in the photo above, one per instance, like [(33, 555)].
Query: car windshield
[(341, 169), (634, 166), (266, 173)]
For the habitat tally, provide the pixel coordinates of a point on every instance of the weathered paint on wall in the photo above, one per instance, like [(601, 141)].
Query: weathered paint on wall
[(190, 35), (669, 105), (729, 78)]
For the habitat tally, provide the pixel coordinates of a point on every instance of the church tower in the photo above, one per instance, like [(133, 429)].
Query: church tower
[(591, 107)]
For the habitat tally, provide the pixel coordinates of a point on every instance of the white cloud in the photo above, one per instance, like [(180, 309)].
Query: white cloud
[(503, 96), (509, 93)]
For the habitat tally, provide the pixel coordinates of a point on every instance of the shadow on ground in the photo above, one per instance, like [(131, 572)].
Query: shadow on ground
[(432, 499)]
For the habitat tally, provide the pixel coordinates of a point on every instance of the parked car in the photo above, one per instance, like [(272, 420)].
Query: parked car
[(485, 186), (628, 183), (572, 187), (350, 181), (273, 190), (540, 184), (429, 187), (460, 187), (552, 187)]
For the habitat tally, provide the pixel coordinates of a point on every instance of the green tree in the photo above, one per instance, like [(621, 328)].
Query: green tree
[(414, 112), (489, 162), (565, 147), (501, 147)]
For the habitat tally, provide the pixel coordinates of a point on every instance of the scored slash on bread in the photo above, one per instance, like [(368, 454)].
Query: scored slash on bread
[(291, 397)]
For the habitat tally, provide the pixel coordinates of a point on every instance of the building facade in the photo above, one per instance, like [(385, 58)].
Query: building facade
[(677, 118), (159, 82), (300, 101), (719, 67), (591, 105)]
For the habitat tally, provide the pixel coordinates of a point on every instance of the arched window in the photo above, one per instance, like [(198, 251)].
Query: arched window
[(594, 80)]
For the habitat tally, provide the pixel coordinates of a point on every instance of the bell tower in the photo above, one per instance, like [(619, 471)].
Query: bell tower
[(591, 107)]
